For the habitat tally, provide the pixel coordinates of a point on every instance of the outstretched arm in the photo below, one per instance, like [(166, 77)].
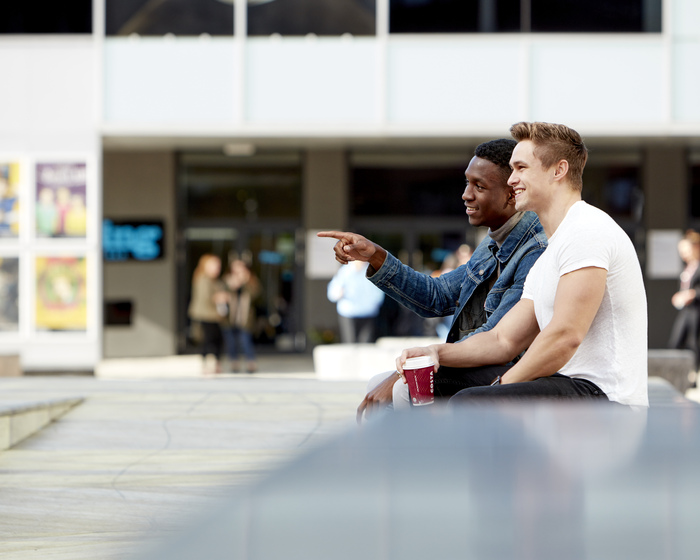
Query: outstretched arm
[(579, 295), (354, 247)]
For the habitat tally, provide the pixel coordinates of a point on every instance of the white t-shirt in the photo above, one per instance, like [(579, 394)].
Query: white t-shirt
[(613, 355)]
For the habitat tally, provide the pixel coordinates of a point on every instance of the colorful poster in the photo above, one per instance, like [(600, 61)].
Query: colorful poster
[(9, 198), (9, 294), (61, 303), (61, 199)]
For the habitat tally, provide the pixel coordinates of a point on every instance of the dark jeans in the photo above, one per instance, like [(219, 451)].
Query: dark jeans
[(357, 329), (211, 339), (465, 384), (239, 341)]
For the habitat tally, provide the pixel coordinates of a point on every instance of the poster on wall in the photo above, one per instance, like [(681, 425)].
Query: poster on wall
[(9, 198), (9, 294), (61, 199), (61, 302)]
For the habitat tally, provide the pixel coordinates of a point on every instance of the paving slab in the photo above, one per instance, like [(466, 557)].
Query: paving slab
[(138, 458)]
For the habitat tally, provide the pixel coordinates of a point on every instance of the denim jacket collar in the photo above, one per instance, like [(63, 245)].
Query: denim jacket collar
[(515, 238)]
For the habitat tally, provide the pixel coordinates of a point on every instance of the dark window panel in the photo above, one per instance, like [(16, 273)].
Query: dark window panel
[(44, 16), (615, 189), (407, 192), (249, 192), (454, 16), (321, 17), (595, 16), (179, 17), (695, 191)]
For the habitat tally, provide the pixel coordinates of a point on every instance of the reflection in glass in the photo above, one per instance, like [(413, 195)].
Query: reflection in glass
[(321, 17), (158, 17)]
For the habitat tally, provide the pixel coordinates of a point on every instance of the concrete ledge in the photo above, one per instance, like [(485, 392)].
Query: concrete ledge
[(672, 365), (159, 367), (362, 361), (10, 365), (18, 421)]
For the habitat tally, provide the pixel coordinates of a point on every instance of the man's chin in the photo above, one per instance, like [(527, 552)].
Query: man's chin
[(476, 222)]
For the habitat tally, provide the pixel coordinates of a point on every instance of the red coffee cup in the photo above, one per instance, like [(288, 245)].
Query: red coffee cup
[(419, 377)]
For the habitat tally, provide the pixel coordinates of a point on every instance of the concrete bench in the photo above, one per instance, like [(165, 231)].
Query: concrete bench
[(360, 362), (675, 366), (10, 365)]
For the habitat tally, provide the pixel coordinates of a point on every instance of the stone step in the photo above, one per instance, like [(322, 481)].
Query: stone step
[(19, 420)]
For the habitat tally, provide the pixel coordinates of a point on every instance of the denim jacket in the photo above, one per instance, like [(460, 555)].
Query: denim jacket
[(449, 293)]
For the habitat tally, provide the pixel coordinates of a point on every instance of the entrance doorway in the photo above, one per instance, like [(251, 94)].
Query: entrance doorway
[(244, 208)]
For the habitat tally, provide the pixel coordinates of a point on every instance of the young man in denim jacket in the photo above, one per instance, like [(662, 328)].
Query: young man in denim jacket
[(478, 293)]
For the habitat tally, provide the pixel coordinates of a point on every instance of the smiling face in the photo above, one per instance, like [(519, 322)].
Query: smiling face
[(529, 179), (488, 198)]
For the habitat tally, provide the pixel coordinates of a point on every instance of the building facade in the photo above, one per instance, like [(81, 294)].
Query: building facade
[(136, 136)]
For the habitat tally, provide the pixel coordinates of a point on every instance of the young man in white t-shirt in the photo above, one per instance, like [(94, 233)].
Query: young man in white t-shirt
[(582, 316)]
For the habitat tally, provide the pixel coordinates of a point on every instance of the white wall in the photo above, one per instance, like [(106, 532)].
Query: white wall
[(141, 185), (48, 112), (430, 85)]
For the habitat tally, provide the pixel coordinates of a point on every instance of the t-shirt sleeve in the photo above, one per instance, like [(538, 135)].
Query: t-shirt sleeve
[(528, 288), (590, 248)]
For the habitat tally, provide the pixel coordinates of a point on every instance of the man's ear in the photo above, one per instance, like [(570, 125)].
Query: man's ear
[(561, 168), (511, 197)]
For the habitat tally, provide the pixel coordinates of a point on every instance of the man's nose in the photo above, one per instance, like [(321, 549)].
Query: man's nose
[(468, 193), (512, 180)]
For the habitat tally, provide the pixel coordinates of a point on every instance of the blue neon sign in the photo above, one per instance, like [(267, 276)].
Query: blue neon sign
[(132, 240)]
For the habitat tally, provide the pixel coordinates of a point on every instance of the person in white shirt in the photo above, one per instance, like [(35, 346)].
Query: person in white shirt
[(582, 318)]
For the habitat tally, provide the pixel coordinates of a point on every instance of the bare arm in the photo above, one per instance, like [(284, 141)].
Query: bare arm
[(505, 341), (576, 303), (354, 247), (378, 398), (579, 294)]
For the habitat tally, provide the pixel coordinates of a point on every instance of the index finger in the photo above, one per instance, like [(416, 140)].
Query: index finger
[(334, 234)]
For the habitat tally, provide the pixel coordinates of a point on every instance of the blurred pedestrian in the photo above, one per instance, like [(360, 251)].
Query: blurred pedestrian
[(358, 302), (207, 295), (686, 327), (242, 289)]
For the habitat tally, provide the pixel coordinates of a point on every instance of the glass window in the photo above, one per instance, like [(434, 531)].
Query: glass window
[(488, 16), (435, 191), (695, 191), (45, 16), (301, 17), (454, 16), (261, 186), (616, 189), (179, 17), (596, 16)]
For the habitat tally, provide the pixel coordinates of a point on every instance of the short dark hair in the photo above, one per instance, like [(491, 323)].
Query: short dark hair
[(498, 152)]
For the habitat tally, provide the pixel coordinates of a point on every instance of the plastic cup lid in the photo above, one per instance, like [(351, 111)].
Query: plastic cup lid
[(418, 362)]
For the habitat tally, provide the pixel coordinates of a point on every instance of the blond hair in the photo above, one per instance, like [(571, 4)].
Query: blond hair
[(202, 264), (553, 143)]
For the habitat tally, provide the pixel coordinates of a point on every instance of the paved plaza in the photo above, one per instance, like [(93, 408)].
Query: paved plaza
[(138, 459)]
